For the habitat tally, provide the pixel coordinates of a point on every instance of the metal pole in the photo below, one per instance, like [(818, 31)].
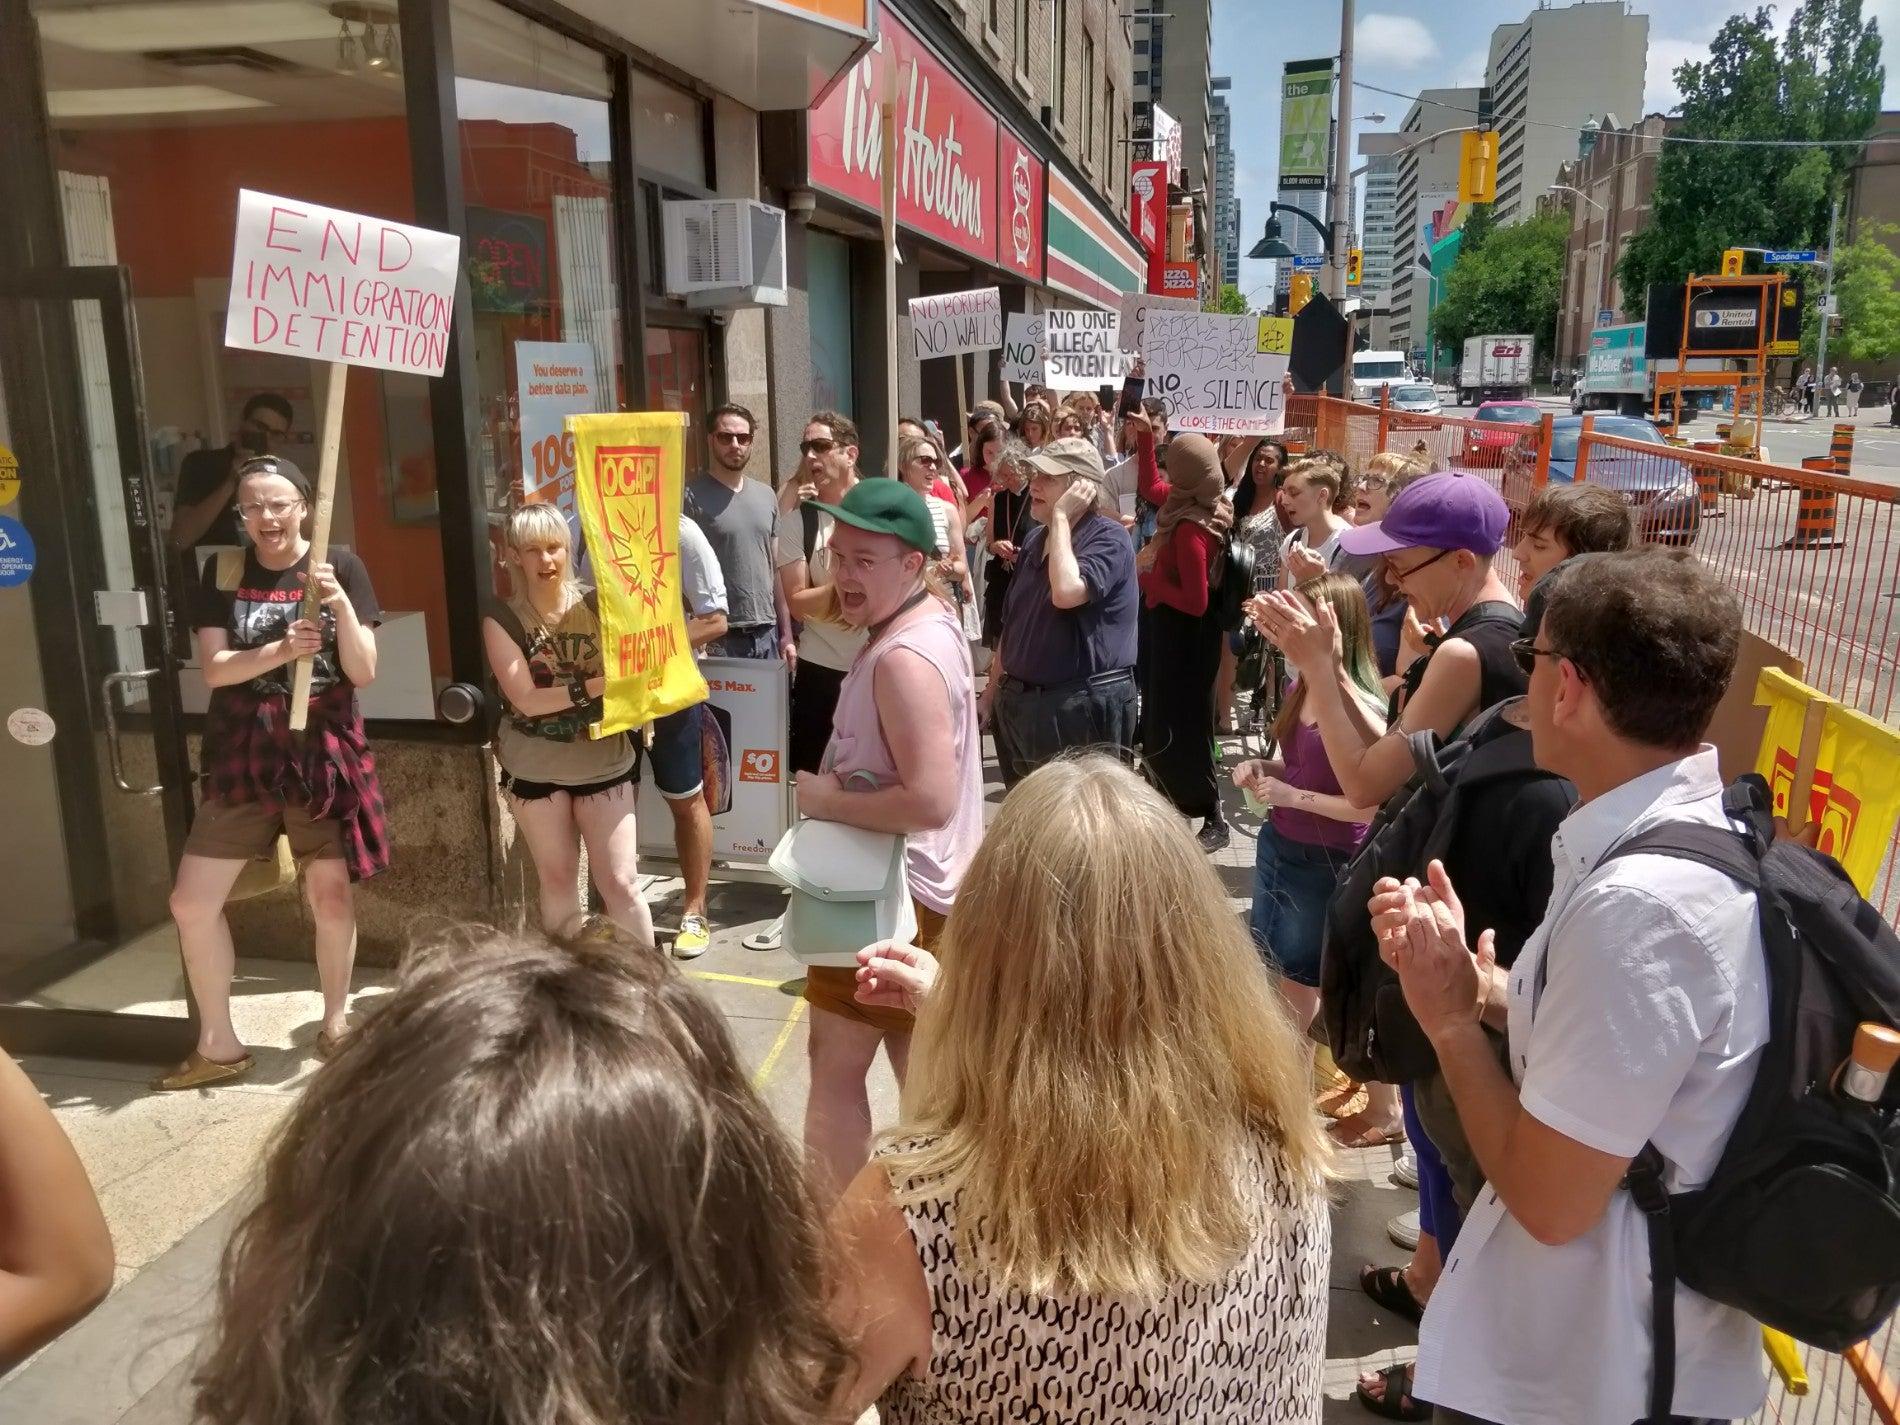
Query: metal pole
[(1339, 200), (1827, 300)]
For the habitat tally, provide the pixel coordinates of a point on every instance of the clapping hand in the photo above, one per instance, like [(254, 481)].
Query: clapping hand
[(1421, 933), (1303, 564), (1307, 633), (894, 975)]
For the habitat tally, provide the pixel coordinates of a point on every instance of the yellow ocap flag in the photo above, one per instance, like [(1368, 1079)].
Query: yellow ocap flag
[(1787, 701), (1857, 791), (628, 474)]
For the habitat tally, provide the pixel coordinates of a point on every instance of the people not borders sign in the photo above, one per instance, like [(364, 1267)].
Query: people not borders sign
[(329, 285), (1218, 375)]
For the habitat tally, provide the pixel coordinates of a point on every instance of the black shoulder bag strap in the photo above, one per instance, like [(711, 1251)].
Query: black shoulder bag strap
[(1735, 856)]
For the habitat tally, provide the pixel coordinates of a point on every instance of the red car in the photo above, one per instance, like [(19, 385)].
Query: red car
[(1489, 447)]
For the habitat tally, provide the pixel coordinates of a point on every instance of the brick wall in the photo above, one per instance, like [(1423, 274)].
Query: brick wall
[(996, 31)]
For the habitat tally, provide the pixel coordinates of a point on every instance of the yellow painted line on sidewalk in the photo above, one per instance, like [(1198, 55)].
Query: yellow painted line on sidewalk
[(777, 1050), (733, 979)]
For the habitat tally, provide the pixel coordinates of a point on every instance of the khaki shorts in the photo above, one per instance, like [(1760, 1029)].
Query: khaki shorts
[(834, 988), (245, 831)]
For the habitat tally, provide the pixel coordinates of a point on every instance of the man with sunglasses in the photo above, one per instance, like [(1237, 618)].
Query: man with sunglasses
[(203, 511), (739, 518)]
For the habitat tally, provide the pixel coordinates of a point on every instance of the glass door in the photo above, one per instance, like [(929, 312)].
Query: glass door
[(96, 753)]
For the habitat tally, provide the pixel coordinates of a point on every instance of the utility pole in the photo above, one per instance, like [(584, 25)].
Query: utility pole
[(1827, 297), (1339, 198)]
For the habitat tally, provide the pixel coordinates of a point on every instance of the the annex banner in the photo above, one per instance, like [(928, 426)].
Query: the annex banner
[(629, 471)]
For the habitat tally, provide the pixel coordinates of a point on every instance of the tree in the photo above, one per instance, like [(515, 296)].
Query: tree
[(1821, 82), (1867, 289), (1230, 301), (1510, 284), (1478, 225)]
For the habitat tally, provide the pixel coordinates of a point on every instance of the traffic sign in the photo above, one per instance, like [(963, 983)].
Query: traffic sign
[(1606, 316), (1791, 257), (1309, 264)]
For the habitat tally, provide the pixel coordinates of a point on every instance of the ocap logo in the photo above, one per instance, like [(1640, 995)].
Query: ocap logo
[(627, 478)]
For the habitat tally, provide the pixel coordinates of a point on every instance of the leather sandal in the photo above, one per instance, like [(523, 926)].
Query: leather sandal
[(328, 1043), (198, 1072)]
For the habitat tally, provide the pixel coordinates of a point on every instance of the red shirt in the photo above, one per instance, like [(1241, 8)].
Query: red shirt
[(1184, 557)]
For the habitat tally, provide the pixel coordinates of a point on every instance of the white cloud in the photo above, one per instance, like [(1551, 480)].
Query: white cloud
[(1469, 73), (1393, 42), (1660, 95)]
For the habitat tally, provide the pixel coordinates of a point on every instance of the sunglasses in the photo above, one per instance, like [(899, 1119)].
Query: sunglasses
[(737, 437), (929, 460), (1525, 653), (817, 447)]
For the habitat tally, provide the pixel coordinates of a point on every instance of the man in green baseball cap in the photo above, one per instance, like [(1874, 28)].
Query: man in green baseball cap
[(881, 524)]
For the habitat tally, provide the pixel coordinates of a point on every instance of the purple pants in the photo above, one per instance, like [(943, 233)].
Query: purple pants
[(1438, 1215)]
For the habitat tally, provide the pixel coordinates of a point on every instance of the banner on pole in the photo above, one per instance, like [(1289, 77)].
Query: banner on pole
[(1306, 123), (330, 285), (956, 322), (1084, 348), (629, 474), (1212, 374), (553, 380), (1023, 349), (1857, 782)]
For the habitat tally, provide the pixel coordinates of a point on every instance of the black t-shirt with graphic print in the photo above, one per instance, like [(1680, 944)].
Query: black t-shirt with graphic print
[(260, 610)]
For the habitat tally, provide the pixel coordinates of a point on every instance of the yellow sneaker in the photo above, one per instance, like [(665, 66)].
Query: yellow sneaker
[(693, 939)]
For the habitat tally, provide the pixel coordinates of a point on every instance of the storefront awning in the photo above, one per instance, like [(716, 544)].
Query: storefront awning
[(767, 54)]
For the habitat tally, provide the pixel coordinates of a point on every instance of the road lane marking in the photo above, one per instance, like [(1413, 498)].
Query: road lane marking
[(734, 979), (777, 1051)]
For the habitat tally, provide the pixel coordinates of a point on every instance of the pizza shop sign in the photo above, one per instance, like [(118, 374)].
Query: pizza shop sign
[(962, 178)]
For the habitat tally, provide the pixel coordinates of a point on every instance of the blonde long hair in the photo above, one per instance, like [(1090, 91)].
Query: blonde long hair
[(1101, 1049), (1347, 599)]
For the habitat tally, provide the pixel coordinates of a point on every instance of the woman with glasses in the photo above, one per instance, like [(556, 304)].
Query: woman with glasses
[(565, 788), (921, 463), (317, 788)]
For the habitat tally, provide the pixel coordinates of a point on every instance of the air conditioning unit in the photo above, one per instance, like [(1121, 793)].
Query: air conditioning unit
[(724, 252)]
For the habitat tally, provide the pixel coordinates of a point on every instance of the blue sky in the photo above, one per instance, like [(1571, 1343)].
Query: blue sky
[(1407, 45)]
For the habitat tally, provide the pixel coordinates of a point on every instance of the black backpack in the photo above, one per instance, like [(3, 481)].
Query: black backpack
[(1369, 1027), (1799, 1226), (1230, 584)]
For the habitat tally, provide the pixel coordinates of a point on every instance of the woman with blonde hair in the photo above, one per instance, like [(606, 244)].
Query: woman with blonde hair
[(921, 464), (563, 786), (540, 1188), (1107, 1192)]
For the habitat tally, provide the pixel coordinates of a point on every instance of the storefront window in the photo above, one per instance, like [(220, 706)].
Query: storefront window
[(536, 137), (828, 281), (670, 125)]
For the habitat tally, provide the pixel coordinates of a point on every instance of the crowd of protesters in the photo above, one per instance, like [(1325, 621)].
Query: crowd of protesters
[(1106, 1197)]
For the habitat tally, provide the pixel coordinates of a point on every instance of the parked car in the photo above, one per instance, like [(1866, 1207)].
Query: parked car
[(1505, 420), (1418, 400), (1660, 489)]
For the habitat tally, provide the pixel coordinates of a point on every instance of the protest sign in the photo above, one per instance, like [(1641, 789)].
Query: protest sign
[(956, 322), (327, 285), (553, 380), (1023, 348), (628, 478), (1084, 349), (346, 289), (1135, 307), (1210, 371)]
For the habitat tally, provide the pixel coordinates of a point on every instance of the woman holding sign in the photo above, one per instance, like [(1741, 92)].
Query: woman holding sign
[(564, 786), (317, 789)]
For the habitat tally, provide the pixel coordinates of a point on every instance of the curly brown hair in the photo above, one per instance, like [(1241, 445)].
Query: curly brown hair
[(536, 1186)]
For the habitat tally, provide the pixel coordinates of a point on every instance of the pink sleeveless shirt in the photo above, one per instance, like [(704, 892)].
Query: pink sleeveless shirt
[(938, 857)]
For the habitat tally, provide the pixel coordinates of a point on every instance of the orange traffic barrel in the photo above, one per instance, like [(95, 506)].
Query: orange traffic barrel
[(1815, 514), (1708, 479), (1841, 449)]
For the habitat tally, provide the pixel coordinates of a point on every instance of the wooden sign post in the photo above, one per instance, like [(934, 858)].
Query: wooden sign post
[(344, 289)]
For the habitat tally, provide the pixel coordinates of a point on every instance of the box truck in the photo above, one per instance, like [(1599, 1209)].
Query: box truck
[(1495, 368)]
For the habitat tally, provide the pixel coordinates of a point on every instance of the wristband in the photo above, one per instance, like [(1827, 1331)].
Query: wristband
[(577, 690)]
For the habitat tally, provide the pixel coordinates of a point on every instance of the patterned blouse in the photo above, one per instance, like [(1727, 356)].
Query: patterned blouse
[(1247, 1350)]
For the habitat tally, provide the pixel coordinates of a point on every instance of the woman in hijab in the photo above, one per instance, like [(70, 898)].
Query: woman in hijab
[(1183, 640)]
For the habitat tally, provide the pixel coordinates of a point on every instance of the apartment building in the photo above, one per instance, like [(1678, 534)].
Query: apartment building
[(1378, 223), (1226, 200), (1427, 180)]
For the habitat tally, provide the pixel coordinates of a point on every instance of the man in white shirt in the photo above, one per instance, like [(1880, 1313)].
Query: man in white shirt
[(1636, 1014)]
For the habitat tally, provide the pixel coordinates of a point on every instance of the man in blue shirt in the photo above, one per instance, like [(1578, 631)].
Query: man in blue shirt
[(1063, 675)]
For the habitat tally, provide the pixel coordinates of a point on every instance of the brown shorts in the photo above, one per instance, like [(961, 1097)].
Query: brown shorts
[(245, 831), (834, 988)]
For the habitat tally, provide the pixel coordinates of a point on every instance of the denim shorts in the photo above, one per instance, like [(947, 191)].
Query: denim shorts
[(759, 640), (675, 755), (1292, 883)]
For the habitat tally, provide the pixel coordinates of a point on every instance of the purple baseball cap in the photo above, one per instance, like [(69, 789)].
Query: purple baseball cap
[(1452, 510)]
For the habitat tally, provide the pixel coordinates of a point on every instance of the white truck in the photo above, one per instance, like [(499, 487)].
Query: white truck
[(1618, 377), (1372, 370), (1495, 368)]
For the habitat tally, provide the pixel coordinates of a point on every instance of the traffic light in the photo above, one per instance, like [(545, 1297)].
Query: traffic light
[(1478, 168), (1732, 262), (1299, 292), (1355, 262)]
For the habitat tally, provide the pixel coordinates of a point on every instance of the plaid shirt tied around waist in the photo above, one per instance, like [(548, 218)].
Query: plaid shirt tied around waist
[(250, 754)]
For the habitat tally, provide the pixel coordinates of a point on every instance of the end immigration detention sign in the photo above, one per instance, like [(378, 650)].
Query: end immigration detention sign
[(330, 285)]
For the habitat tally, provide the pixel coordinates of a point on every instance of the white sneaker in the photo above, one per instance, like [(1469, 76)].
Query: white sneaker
[(1403, 1230), (770, 938), (1405, 1171), (694, 938)]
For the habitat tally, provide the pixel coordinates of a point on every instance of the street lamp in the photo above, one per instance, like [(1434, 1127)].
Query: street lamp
[(1566, 188)]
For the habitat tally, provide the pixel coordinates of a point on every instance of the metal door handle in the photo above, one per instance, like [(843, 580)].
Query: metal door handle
[(107, 688)]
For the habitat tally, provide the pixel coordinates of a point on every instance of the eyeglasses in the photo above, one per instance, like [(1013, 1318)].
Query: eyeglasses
[(929, 460), (737, 437), (1525, 653), (861, 565), (817, 447), (1403, 574), (275, 509)]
